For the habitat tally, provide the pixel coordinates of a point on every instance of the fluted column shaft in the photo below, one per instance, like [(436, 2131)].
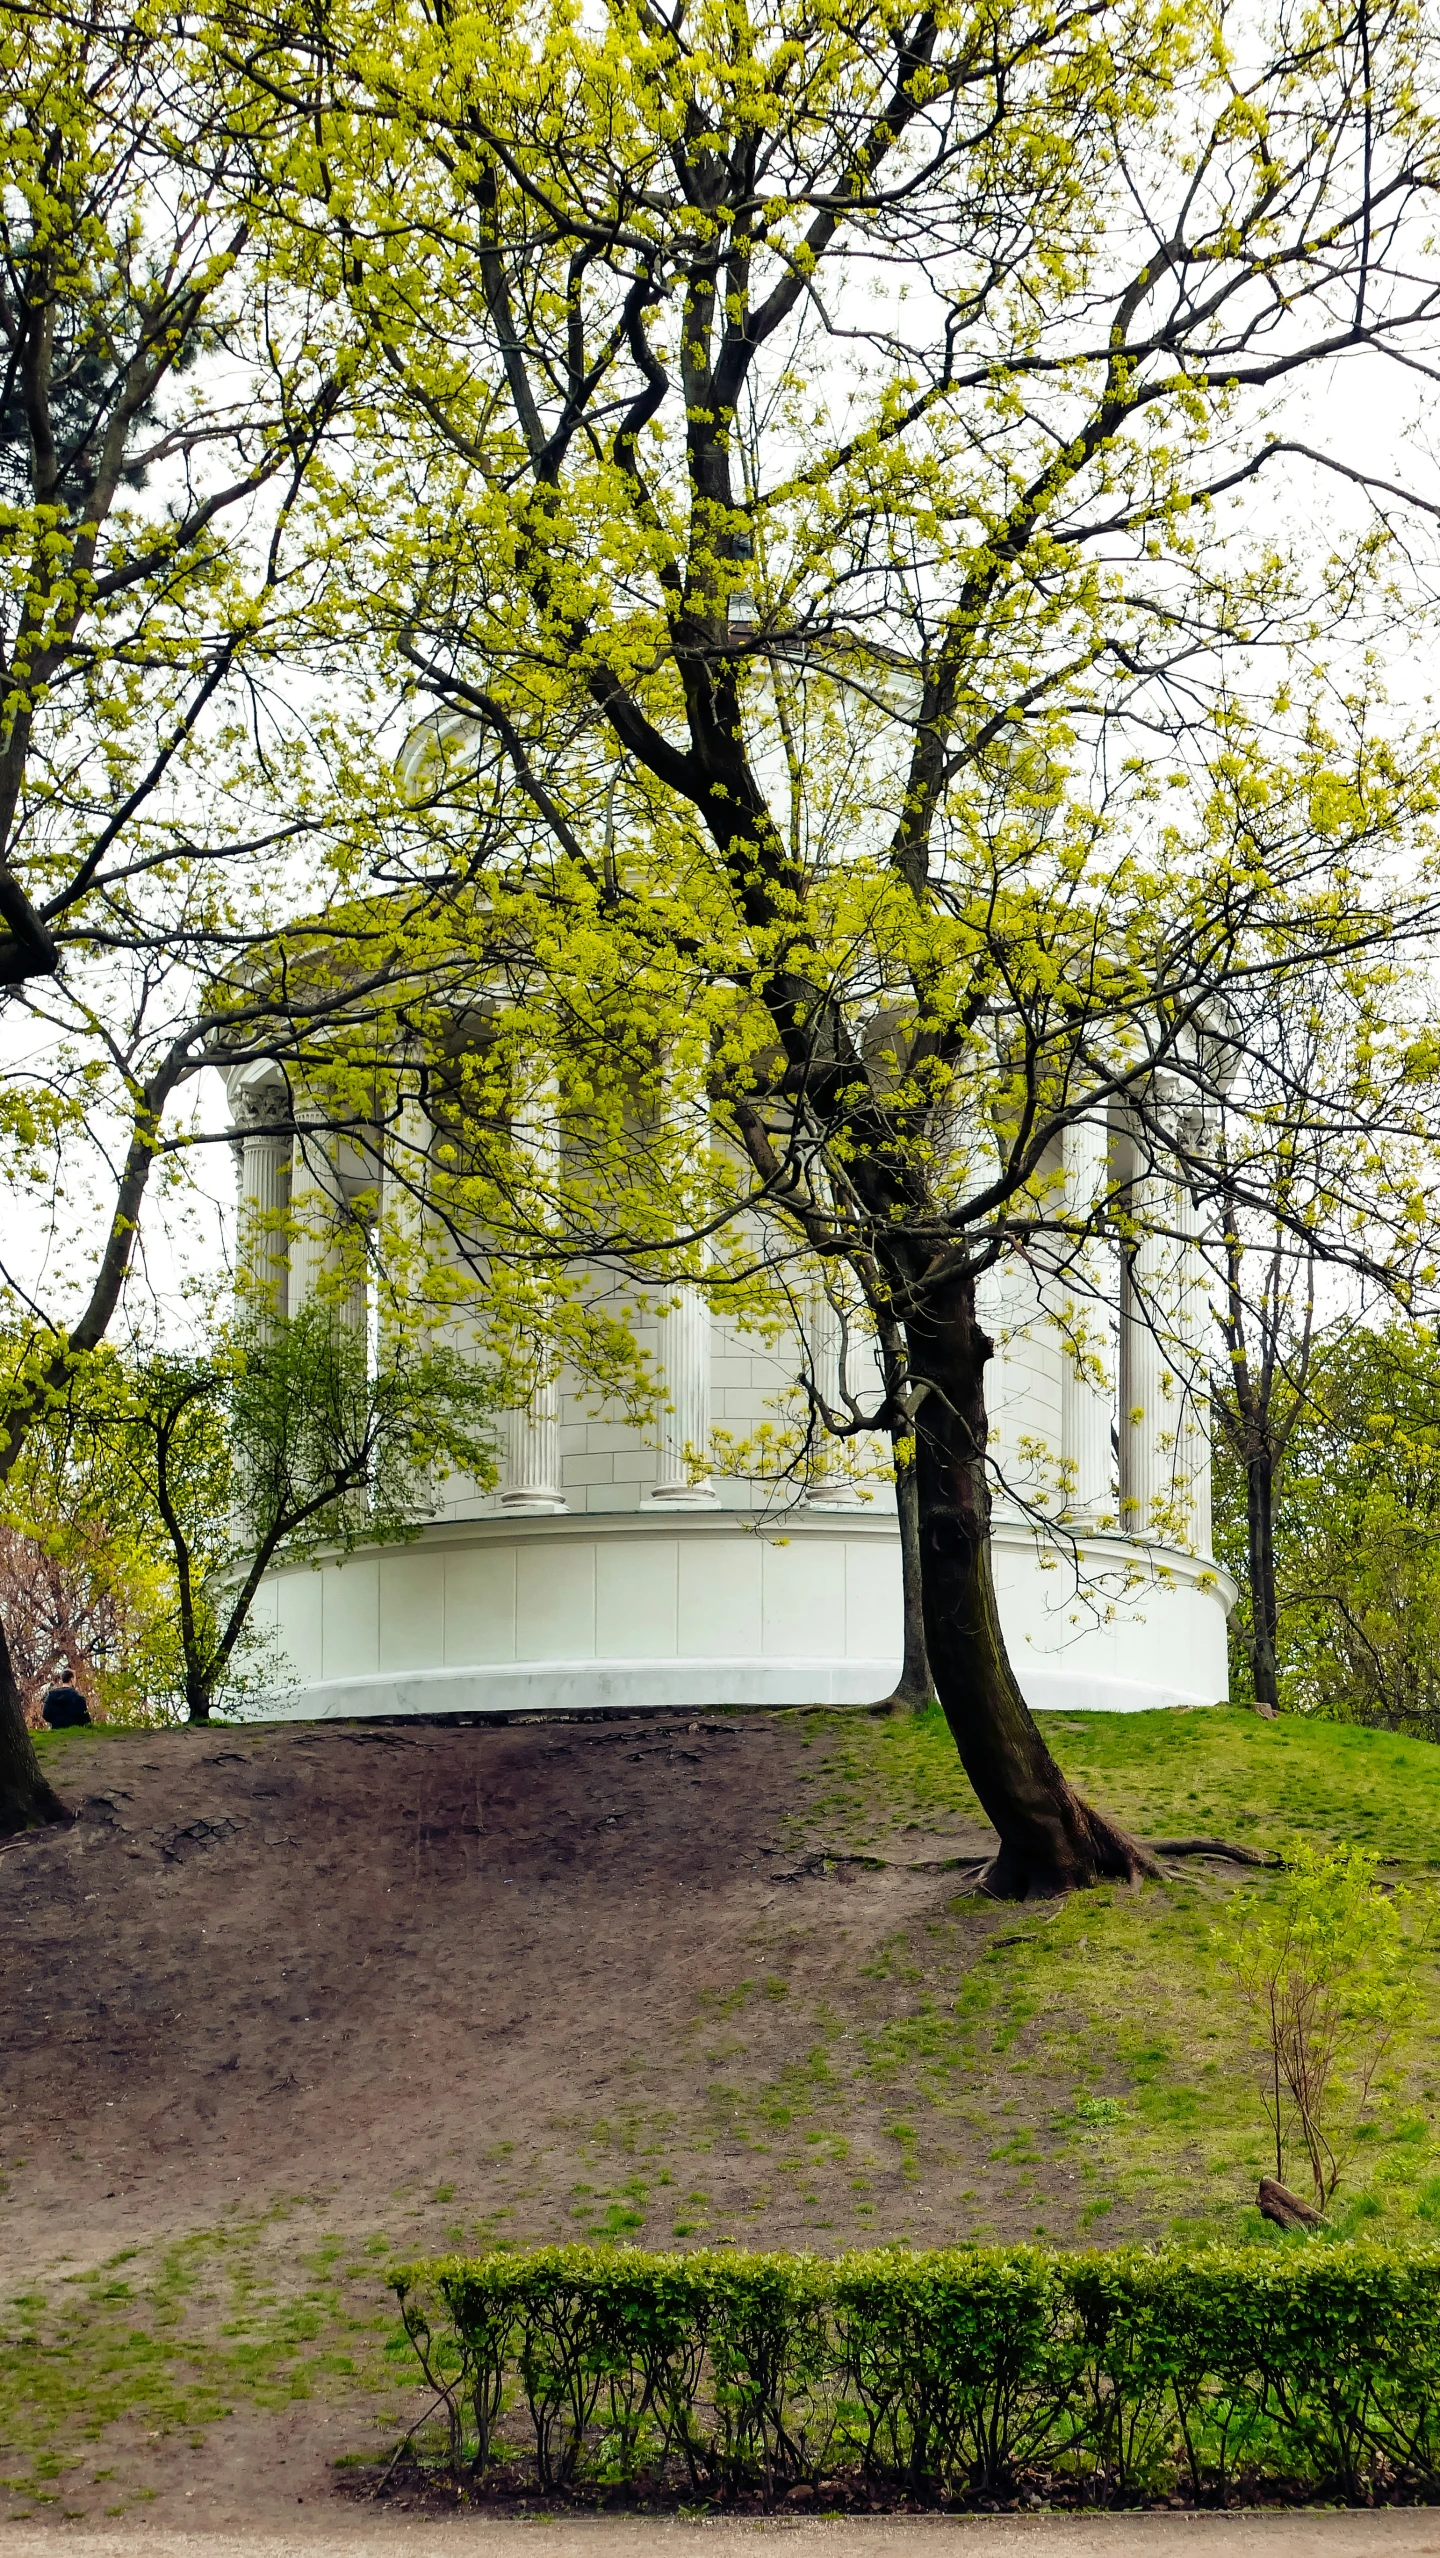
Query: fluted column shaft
[(1192, 1468), (317, 1252), (685, 1420), (532, 1453), (406, 1154), (312, 1213), (1087, 1377), (681, 1478), (263, 1244), (1165, 1438), (1006, 1304)]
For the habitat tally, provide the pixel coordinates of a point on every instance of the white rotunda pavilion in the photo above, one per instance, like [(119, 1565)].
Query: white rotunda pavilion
[(603, 1571)]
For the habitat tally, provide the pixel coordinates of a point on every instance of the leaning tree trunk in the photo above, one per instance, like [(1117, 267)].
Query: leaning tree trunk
[(915, 1688), (26, 1801), (1050, 1840), (1264, 1609)]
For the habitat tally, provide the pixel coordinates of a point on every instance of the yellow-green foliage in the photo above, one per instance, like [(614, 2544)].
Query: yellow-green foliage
[(1329, 1964), (787, 457)]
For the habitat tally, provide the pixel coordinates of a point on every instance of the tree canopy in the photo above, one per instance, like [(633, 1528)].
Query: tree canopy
[(823, 476), (822, 481)]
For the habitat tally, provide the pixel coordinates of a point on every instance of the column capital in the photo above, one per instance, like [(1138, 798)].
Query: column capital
[(259, 1100)]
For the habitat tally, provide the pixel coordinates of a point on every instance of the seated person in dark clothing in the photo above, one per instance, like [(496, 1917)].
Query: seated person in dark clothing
[(64, 1705)]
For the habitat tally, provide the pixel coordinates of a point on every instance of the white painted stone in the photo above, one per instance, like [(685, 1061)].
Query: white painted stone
[(562, 1612)]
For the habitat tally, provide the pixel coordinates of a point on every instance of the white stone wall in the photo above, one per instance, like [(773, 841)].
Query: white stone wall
[(506, 1615)]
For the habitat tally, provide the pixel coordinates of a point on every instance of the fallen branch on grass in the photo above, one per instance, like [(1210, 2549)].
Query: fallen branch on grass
[(819, 1858)]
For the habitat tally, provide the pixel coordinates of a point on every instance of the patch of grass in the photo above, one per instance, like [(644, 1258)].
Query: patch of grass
[(133, 2358), (1221, 1771), (1144, 2082)]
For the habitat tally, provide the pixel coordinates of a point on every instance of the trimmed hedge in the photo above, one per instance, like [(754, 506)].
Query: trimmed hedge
[(1110, 2377)]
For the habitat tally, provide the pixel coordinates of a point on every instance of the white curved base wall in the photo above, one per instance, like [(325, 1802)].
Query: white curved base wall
[(677, 1608)]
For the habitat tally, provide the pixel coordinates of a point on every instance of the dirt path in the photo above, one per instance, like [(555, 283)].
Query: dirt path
[(1327, 2535)]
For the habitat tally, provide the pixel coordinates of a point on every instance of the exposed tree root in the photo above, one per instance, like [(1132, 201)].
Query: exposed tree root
[(904, 1701), (986, 1873), (1074, 1858), (1214, 1847)]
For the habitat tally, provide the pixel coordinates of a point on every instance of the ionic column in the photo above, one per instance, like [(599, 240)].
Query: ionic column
[(1087, 1375), (263, 1260), (532, 1429), (684, 1346), (312, 1219), (1005, 1302), (685, 1421), (532, 1453), (324, 1246), (405, 1154), (1192, 1444), (403, 1147)]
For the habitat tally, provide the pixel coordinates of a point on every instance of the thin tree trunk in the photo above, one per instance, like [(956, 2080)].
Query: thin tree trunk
[(1050, 1840), (1264, 1611), (915, 1689), (27, 1802)]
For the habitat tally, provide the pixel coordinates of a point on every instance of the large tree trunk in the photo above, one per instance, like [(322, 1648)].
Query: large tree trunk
[(1050, 1840), (1264, 1611), (26, 1801)]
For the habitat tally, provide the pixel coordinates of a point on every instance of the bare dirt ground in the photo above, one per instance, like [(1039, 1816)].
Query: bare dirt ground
[(361, 1961), (286, 1997)]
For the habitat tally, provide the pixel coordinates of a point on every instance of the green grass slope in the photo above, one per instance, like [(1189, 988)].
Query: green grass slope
[(1106, 2030)]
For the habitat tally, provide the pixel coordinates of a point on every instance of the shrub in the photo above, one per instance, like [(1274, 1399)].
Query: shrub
[(967, 2371), (1327, 1964)]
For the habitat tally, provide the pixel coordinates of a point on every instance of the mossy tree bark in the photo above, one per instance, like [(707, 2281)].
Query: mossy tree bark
[(27, 1801), (1050, 1839)]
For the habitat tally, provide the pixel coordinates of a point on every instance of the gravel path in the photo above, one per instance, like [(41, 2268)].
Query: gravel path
[(1328, 2535)]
